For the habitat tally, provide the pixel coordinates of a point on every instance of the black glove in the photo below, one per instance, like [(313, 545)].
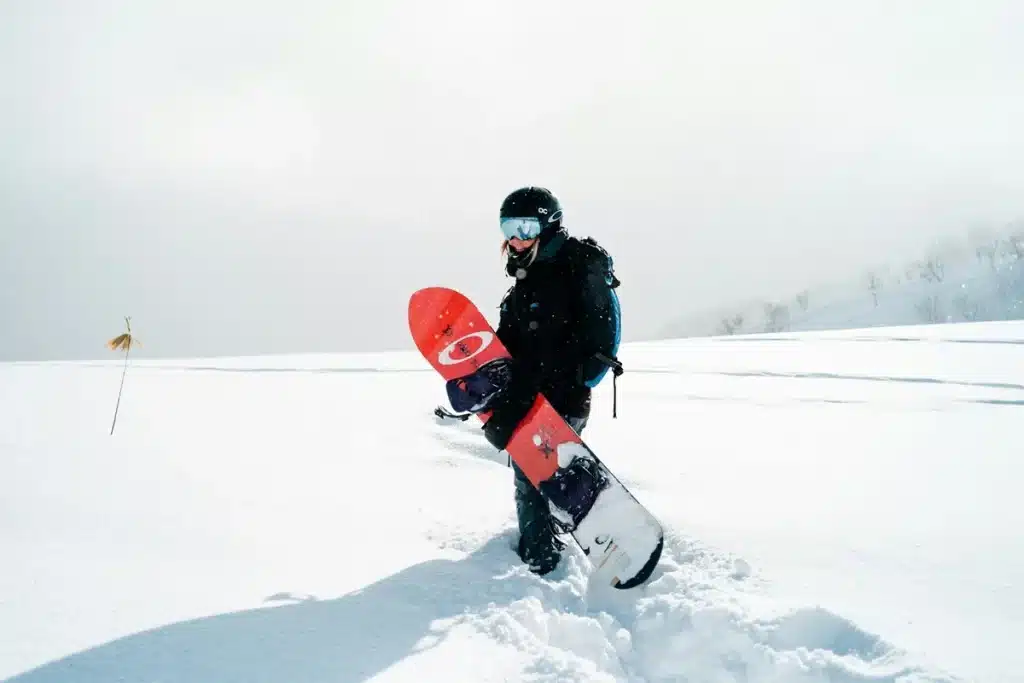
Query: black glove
[(509, 408)]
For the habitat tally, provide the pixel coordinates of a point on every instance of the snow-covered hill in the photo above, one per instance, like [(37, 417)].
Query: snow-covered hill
[(841, 506), (979, 280)]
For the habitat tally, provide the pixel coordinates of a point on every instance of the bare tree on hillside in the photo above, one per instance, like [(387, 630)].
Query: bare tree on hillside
[(776, 317), (1015, 239), (967, 307), (987, 252), (933, 269), (930, 309), (874, 286), (1015, 244), (731, 325)]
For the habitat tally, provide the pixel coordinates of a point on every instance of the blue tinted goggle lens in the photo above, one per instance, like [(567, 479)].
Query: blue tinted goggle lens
[(522, 228)]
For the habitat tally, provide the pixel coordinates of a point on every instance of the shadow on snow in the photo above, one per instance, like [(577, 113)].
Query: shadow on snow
[(346, 639)]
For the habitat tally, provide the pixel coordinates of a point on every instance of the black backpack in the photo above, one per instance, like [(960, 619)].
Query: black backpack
[(593, 256)]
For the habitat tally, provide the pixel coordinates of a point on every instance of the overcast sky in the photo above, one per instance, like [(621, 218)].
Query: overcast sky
[(247, 177)]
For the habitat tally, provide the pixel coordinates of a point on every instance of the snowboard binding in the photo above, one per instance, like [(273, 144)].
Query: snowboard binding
[(475, 392), (572, 490)]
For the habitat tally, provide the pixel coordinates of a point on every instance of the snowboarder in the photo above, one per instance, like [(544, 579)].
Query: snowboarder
[(561, 323)]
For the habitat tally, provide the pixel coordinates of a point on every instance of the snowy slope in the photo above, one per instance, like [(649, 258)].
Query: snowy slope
[(970, 290), (982, 280), (841, 506)]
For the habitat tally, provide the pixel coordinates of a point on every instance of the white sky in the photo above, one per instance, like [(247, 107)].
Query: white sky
[(256, 177)]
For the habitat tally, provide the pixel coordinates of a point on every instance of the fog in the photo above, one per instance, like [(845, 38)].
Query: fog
[(256, 177)]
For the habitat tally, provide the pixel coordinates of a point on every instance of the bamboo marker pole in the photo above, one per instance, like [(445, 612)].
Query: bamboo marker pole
[(125, 341)]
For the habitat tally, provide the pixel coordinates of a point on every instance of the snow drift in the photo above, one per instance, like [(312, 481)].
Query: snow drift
[(840, 506)]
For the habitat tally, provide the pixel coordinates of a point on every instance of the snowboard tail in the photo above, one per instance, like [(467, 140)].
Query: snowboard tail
[(620, 537)]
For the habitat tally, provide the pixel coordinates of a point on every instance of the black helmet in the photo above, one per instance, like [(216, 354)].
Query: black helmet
[(534, 206)]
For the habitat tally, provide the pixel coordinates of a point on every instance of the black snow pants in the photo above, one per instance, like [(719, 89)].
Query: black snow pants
[(539, 546)]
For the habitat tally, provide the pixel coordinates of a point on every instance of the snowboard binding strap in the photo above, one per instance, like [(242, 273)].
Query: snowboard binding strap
[(444, 413)]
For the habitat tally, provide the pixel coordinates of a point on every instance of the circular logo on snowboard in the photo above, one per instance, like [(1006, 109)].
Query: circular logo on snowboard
[(465, 347)]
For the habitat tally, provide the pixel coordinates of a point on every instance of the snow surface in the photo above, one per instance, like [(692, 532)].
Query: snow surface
[(840, 506)]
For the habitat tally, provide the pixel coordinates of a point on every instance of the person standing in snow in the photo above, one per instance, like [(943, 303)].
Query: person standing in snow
[(561, 323)]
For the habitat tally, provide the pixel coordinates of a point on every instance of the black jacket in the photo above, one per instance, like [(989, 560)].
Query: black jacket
[(561, 311)]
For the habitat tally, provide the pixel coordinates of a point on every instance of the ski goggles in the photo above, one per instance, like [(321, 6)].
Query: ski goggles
[(521, 228)]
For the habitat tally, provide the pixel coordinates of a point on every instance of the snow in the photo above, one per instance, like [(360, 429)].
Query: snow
[(840, 506)]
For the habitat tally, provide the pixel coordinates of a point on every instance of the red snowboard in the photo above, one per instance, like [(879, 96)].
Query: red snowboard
[(621, 538)]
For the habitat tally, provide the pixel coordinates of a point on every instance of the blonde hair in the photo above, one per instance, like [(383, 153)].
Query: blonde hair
[(533, 247)]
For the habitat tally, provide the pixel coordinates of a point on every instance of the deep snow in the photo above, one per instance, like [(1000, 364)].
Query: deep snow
[(841, 506)]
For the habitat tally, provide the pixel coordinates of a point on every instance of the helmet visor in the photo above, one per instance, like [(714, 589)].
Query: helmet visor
[(521, 228)]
